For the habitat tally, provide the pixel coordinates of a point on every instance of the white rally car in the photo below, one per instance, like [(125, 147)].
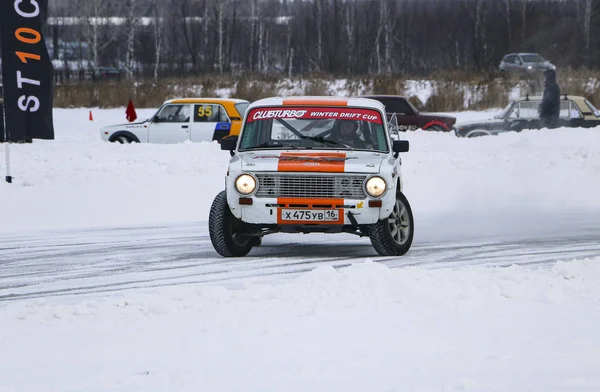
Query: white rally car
[(313, 165), (183, 120)]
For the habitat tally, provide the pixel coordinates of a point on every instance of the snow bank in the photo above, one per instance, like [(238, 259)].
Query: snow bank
[(364, 327), (78, 180)]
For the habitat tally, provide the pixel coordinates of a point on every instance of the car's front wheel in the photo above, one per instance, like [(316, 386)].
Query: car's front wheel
[(226, 231), (122, 139), (477, 134), (393, 236)]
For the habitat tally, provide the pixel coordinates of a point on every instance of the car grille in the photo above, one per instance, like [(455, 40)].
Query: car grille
[(285, 185)]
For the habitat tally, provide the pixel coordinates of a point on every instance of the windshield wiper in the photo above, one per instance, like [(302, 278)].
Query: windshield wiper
[(321, 139), (273, 145)]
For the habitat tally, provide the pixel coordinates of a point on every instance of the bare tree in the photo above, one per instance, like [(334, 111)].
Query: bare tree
[(131, 22), (333, 36), (349, 28), (188, 31), (319, 28), (158, 17), (220, 35), (98, 31), (508, 22)]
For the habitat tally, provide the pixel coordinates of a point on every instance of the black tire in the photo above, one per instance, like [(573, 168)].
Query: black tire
[(477, 134), (436, 128), (224, 229), (393, 236), (122, 139)]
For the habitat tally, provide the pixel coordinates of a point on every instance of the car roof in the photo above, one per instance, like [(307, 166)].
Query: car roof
[(319, 101), (383, 96), (539, 97), (521, 53), (205, 100)]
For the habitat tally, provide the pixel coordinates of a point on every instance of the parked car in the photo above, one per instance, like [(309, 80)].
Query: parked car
[(285, 177), (180, 120), (524, 62), (106, 73), (409, 118), (520, 114)]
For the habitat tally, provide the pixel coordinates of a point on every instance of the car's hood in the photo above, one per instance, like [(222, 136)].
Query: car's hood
[(138, 124), (312, 161), (471, 124), (539, 65)]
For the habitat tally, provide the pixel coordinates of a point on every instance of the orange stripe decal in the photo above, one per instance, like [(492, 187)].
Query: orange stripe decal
[(315, 102), (332, 162)]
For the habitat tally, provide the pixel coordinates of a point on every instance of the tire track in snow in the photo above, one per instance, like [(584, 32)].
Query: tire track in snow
[(110, 260)]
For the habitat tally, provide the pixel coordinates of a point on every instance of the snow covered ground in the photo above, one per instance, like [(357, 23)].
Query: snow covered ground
[(353, 327)]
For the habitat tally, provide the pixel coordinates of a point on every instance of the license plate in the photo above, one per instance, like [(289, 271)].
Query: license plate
[(310, 215)]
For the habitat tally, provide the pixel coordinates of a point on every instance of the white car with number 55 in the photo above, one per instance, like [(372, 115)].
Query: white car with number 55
[(183, 120), (313, 165)]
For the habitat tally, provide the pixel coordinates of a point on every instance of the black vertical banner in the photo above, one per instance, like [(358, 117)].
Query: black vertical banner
[(27, 72)]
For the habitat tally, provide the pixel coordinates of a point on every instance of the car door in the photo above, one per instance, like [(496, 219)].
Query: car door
[(524, 115), (529, 114), (570, 115), (211, 122), (171, 124)]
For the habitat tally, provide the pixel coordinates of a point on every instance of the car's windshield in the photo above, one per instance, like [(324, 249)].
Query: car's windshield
[(242, 107), (532, 58), (314, 128), (505, 111), (593, 108)]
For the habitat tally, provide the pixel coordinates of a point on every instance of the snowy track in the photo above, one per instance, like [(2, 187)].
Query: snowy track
[(86, 223), (110, 260)]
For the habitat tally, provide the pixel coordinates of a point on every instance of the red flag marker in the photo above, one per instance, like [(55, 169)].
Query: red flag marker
[(130, 112)]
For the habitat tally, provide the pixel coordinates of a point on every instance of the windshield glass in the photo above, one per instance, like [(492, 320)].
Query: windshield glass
[(314, 128), (532, 58), (505, 111), (242, 107), (592, 108)]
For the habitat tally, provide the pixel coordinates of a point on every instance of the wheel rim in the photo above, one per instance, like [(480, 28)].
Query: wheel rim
[(399, 223), (240, 239)]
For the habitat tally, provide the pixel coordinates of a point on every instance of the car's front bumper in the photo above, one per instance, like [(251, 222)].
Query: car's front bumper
[(294, 211)]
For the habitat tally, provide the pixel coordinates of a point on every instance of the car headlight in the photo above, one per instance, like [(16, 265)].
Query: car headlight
[(376, 186), (245, 184)]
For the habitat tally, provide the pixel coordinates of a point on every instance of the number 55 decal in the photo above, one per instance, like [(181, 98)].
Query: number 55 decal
[(205, 111)]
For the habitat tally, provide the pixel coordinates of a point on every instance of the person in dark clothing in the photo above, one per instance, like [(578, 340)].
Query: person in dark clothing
[(550, 106), (346, 132)]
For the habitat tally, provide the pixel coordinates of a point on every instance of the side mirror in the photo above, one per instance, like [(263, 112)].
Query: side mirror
[(229, 143), (400, 146)]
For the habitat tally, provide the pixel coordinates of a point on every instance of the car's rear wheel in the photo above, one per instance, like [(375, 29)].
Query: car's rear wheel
[(436, 128), (393, 236), (226, 231)]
